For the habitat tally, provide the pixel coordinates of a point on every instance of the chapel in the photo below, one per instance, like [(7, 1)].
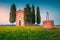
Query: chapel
[(20, 18)]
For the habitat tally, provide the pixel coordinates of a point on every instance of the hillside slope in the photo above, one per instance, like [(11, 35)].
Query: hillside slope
[(28, 33)]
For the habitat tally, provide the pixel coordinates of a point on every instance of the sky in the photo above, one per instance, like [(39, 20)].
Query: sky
[(50, 6)]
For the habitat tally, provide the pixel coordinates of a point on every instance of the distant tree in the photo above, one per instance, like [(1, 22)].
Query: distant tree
[(27, 12), (12, 17), (33, 14), (38, 16)]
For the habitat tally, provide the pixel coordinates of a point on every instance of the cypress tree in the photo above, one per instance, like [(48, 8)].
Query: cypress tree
[(27, 12), (33, 14), (12, 17), (38, 16)]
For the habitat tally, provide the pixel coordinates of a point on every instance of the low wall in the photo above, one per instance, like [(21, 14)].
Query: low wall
[(28, 24)]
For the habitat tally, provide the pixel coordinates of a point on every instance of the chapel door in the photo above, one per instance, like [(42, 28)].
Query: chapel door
[(19, 22)]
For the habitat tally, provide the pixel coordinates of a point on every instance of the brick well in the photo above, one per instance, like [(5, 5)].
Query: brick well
[(48, 24)]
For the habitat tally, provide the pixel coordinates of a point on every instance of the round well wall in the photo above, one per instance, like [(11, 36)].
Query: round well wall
[(48, 24)]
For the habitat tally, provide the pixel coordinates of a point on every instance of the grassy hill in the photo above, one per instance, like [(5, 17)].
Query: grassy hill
[(28, 33)]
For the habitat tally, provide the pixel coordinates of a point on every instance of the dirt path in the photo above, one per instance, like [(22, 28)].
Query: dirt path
[(56, 26)]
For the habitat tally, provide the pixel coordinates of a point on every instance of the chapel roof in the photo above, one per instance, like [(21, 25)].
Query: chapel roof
[(20, 10)]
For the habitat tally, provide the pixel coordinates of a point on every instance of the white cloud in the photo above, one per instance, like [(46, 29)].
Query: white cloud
[(4, 15)]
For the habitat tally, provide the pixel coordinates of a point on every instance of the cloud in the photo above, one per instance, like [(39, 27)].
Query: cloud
[(4, 15)]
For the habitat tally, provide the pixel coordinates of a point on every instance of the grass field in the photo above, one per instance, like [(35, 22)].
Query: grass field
[(29, 33)]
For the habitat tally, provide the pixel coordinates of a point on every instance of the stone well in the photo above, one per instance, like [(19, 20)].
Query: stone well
[(48, 24)]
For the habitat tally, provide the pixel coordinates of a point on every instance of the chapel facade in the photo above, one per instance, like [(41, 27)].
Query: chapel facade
[(20, 18)]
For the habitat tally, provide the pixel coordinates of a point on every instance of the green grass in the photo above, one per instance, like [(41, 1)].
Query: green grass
[(28, 33)]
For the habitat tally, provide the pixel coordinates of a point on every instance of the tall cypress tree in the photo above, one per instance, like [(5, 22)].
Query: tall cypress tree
[(33, 14), (38, 16), (12, 17), (27, 12)]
